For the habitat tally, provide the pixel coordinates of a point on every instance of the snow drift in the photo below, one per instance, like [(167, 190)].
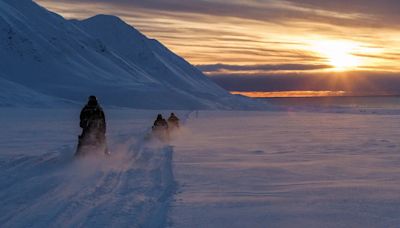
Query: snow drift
[(102, 55)]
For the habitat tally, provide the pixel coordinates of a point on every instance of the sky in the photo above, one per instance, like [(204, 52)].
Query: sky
[(345, 46)]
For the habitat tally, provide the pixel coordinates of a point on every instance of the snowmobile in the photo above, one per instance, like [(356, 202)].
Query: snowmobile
[(92, 141)]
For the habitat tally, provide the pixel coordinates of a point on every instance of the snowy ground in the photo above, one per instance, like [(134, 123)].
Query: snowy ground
[(42, 185), (230, 169), (293, 169)]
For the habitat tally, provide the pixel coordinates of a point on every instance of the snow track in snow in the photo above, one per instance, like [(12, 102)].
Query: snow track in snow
[(131, 188)]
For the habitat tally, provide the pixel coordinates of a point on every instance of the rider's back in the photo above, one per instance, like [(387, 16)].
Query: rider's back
[(92, 115)]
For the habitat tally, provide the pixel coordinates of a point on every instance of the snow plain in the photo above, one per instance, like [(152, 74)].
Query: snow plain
[(288, 169), (223, 169)]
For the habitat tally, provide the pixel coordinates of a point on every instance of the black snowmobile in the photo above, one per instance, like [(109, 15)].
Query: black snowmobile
[(92, 141), (93, 124)]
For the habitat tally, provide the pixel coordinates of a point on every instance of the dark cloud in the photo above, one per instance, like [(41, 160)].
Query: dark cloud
[(354, 82), (262, 67)]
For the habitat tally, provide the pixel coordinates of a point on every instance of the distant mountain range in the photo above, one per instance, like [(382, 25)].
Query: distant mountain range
[(48, 60)]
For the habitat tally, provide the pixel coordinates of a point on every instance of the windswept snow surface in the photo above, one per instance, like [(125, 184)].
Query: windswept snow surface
[(226, 169), (288, 169), (42, 185)]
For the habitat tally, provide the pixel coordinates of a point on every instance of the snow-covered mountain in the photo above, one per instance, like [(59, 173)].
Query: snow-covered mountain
[(45, 54)]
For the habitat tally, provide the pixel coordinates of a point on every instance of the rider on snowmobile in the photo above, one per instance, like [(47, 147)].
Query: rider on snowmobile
[(160, 123), (160, 128), (93, 124), (173, 121)]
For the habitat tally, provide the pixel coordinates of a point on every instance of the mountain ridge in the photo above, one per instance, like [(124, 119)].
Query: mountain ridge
[(101, 55)]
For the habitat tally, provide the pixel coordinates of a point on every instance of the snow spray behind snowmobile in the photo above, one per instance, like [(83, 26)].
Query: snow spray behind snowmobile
[(93, 124)]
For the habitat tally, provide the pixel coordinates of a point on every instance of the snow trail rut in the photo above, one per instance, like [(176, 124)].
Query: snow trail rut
[(131, 188)]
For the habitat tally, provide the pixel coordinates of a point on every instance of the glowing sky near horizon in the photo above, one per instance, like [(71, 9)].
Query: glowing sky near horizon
[(262, 38)]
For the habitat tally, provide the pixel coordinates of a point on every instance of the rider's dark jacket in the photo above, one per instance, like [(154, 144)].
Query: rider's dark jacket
[(92, 117)]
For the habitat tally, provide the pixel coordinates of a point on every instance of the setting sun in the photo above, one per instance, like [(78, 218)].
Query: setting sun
[(339, 54)]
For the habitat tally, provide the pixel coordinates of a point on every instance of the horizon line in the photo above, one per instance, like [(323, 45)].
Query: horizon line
[(306, 94)]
